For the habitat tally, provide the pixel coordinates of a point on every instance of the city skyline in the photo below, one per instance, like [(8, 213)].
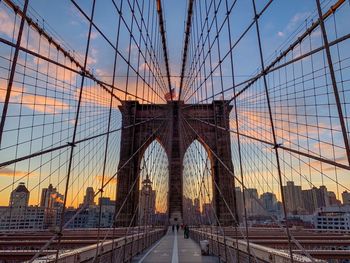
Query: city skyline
[(89, 196)]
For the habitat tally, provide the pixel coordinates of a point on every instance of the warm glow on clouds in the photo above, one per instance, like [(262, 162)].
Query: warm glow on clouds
[(43, 104), (6, 23), (15, 91), (9, 172)]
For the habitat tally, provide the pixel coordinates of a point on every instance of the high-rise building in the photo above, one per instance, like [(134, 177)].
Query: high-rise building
[(309, 200), (318, 197), (147, 206), (269, 202), (50, 198), (322, 197), (293, 197), (333, 201), (89, 196), (251, 202), (52, 202), (346, 197), (19, 197)]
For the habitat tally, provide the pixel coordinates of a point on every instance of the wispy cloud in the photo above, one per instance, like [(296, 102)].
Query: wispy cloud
[(10, 172), (293, 23), (6, 23), (44, 104), (34, 102), (94, 35), (15, 91)]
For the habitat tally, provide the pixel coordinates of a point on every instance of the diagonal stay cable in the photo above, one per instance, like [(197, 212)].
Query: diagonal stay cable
[(97, 192), (317, 158), (45, 151), (186, 44), (216, 186), (272, 66), (244, 187), (123, 204), (130, 190), (165, 50)]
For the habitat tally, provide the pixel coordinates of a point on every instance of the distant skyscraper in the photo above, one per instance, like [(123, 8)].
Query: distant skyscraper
[(269, 202), (293, 197), (251, 202), (89, 196), (19, 197), (50, 198), (318, 197), (147, 206), (322, 197), (309, 200), (333, 199), (346, 197)]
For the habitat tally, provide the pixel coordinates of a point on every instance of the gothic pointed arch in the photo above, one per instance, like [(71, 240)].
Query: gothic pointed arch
[(175, 126)]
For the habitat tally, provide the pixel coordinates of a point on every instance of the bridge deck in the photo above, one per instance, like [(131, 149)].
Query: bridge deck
[(174, 248)]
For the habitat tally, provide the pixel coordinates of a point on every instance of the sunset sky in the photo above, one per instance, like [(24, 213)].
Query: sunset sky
[(302, 122)]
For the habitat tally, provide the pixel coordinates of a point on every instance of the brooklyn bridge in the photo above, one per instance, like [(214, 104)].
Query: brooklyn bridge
[(174, 131)]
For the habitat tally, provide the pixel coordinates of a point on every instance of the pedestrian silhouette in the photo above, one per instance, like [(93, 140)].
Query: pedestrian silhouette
[(186, 231)]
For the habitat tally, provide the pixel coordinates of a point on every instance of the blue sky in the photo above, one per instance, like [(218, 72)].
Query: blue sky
[(276, 26)]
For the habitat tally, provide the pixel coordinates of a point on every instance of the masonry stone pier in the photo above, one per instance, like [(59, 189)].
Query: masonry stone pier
[(175, 126)]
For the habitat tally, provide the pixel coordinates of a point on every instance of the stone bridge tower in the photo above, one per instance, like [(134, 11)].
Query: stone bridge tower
[(171, 128)]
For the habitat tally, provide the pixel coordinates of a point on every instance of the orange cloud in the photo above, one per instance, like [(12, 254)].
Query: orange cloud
[(44, 104), (15, 91), (9, 172), (33, 102), (55, 73)]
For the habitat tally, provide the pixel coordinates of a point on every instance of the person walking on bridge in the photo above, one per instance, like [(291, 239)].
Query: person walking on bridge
[(186, 232)]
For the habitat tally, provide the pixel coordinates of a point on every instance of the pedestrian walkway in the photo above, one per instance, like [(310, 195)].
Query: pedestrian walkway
[(173, 248)]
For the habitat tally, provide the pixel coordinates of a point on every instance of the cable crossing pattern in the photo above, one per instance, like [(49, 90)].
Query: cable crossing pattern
[(106, 144)]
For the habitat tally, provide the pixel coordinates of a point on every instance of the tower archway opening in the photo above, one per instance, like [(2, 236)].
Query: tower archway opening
[(197, 186), (153, 185)]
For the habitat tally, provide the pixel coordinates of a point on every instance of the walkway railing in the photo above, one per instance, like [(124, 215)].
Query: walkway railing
[(121, 249), (231, 250)]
